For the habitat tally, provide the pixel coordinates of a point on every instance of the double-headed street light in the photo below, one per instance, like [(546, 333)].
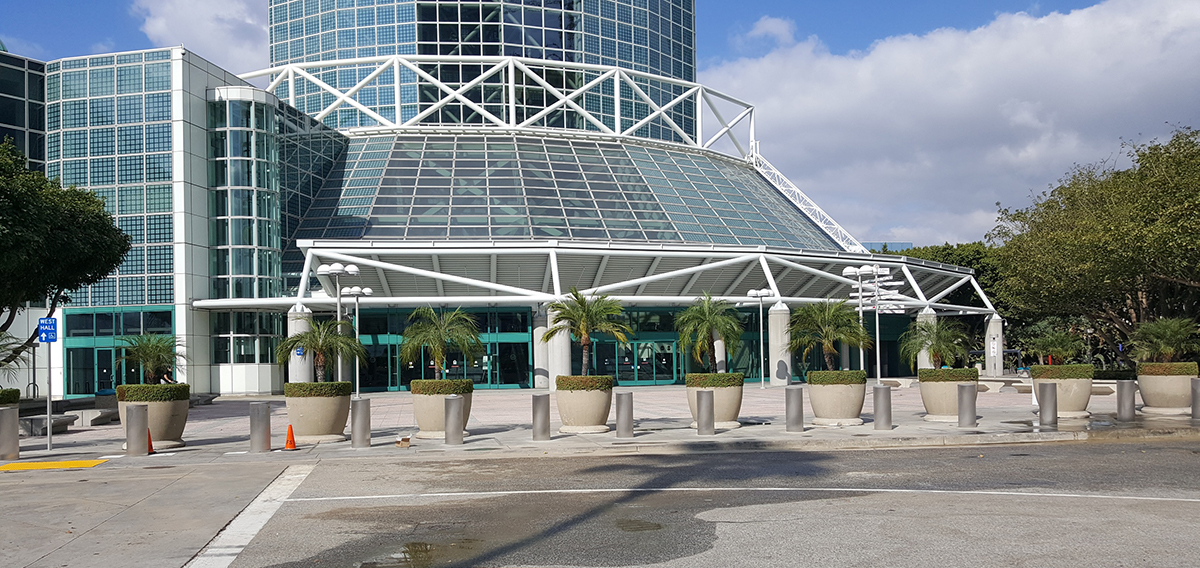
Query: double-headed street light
[(852, 272), (762, 354), (356, 293), (879, 279), (337, 270)]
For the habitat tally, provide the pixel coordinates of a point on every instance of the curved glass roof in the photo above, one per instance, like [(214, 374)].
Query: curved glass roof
[(439, 187)]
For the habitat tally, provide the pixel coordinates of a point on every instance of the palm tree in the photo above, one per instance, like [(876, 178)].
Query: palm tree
[(327, 340), (825, 325), (582, 316), (9, 344), (702, 320), (440, 333), (1059, 345), (1165, 339), (156, 354), (945, 341)]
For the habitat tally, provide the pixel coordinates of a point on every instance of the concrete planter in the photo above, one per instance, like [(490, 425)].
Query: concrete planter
[(583, 411), (166, 419), (1166, 395), (941, 399), (1073, 396), (430, 411), (837, 405), (317, 419), (727, 404)]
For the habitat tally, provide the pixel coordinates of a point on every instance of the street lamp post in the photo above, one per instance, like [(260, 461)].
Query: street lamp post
[(1089, 343), (762, 353), (356, 293), (337, 270), (858, 272)]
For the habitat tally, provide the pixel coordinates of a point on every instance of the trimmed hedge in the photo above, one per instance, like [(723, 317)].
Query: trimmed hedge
[(947, 375), (441, 386), (837, 377), (153, 393), (1173, 369), (714, 380), (1115, 374), (327, 390), (10, 396), (584, 382), (1082, 371)]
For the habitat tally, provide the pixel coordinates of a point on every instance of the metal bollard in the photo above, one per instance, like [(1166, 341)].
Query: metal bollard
[(541, 417), (260, 427), (360, 423), (1125, 401), (966, 405), (624, 415), (10, 433), (1048, 404), (454, 419), (705, 425), (1195, 398), (793, 397), (883, 407), (137, 430)]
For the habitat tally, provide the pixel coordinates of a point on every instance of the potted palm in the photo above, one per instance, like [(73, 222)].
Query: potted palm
[(1074, 386), (167, 404), (1164, 382), (1060, 345), (699, 327), (836, 396), (945, 342), (584, 401), (318, 411), (439, 333)]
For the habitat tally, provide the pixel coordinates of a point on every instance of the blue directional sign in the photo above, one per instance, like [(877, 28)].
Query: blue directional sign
[(47, 330)]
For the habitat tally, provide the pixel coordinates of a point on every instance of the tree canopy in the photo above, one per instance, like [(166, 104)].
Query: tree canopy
[(704, 318), (439, 333), (582, 316)]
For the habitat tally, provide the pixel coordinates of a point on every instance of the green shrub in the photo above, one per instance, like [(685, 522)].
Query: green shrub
[(714, 380), (837, 377), (153, 393), (947, 375), (304, 390), (1082, 371), (10, 396), (584, 382), (1174, 369), (1115, 374), (442, 386)]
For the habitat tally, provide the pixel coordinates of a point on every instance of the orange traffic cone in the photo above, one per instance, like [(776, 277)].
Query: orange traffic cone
[(149, 443), (291, 440)]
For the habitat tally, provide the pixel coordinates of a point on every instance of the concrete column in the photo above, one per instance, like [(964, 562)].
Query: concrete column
[(300, 368), (923, 360), (993, 349), (844, 354), (720, 354), (779, 350), (541, 351), (559, 349)]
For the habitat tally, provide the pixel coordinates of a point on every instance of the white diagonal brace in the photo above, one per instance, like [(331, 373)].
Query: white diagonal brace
[(762, 261), (323, 86), (728, 127), (659, 111), (649, 272), (437, 276), (737, 281), (912, 282), (666, 275), (563, 101), (557, 93), (950, 289), (353, 91), (452, 94)]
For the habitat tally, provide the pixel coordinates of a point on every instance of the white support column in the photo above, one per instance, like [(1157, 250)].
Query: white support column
[(844, 356), (300, 369), (780, 352), (923, 360), (719, 354), (541, 350), (994, 349), (559, 349)]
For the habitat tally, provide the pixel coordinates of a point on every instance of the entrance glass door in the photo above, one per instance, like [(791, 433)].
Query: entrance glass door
[(639, 362)]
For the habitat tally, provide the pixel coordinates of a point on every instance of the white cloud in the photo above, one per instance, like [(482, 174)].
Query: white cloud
[(23, 47), (778, 29), (919, 136), (230, 33), (105, 46)]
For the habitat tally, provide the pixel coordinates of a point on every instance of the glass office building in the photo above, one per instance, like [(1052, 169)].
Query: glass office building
[(23, 106)]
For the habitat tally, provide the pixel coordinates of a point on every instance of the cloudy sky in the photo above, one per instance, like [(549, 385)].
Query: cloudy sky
[(904, 120)]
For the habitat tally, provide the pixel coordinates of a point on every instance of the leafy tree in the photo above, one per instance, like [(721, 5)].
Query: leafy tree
[(1056, 345), (440, 333), (155, 354), (52, 240), (944, 339), (582, 316), (704, 318), (327, 340), (1165, 340), (824, 325)]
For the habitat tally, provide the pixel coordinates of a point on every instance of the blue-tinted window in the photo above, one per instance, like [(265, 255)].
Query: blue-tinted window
[(103, 142), (75, 144), (158, 167), (132, 291), (158, 138), (129, 79), (135, 227), (130, 200), (103, 171), (160, 260), (74, 114), (129, 109), (158, 199), (103, 112), (129, 140), (158, 107), (74, 84), (100, 82), (161, 290), (158, 229), (158, 77), (130, 169), (134, 262)]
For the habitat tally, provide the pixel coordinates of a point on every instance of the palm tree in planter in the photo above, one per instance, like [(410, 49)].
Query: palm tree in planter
[(1165, 384), (699, 327), (584, 401), (167, 404), (836, 396), (946, 342), (318, 410), (438, 334)]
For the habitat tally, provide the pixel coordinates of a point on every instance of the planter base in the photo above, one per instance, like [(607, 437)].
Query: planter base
[(941, 418), (838, 421), (172, 444), (435, 434), (722, 425), (1166, 411), (583, 429), (321, 438)]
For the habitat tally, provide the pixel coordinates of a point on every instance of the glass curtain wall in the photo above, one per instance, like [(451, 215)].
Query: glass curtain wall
[(91, 341)]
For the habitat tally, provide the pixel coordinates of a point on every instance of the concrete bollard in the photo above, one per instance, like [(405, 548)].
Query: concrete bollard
[(1126, 411), (624, 415), (454, 420), (260, 427), (705, 419), (794, 401), (966, 405), (1195, 398), (1048, 404), (137, 430), (883, 407), (10, 433), (360, 423), (541, 417)]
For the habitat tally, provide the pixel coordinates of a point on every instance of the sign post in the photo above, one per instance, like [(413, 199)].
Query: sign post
[(48, 333)]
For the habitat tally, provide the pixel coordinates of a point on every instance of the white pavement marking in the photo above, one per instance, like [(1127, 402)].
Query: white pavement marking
[(747, 489), (230, 542), (112, 457)]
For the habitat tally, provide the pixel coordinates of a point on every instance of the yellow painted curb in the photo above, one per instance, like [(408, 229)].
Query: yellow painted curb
[(26, 466)]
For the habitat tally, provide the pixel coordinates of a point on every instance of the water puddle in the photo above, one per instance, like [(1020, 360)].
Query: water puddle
[(425, 555)]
